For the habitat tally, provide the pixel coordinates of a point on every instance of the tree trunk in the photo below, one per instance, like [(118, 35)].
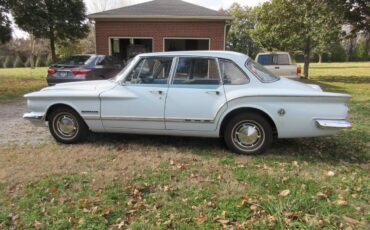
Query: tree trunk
[(52, 48), (367, 47), (350, 50), (32, 58), (307, 59), (320, 58)]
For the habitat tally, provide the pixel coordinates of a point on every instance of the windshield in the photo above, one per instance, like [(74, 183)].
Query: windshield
[(121, 75), (261, 72), (76, 60)]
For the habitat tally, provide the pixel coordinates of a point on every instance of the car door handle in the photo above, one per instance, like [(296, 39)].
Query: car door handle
[(277, 67), (157, 92), (214, 92)]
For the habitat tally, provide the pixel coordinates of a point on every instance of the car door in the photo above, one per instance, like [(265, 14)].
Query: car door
[(195, 96), (139, 102)]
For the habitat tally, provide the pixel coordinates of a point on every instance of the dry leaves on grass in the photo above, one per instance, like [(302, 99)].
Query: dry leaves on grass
[(284, 193)]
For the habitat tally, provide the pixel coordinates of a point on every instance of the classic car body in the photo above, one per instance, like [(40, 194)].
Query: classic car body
[(196, 102)]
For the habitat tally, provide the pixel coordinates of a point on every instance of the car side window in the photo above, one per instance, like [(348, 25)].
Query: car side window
[(201, 71), (232, 74), (151, 70)]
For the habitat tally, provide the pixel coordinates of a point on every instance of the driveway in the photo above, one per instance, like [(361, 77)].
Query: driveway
[(14, 129)]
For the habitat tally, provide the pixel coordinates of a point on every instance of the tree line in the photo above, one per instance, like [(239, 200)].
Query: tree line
[(336, 30)]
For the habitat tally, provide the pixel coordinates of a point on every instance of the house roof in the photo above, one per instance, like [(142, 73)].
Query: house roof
[(162, 9)]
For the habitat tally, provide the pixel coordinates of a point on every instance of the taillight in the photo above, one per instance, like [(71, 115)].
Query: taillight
[(299, 70), (51, 71), (81, 71)]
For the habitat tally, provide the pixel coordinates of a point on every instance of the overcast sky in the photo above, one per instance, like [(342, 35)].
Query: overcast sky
[(99, 5)]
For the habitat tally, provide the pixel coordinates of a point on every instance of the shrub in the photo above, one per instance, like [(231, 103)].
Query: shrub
[(18, 63), (361, 54), (49, 60), (8, 63), (40, 61), (338, 53)]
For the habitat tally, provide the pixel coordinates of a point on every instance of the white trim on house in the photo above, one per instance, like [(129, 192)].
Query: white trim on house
[(185, 38), (153, 17), (118, 37)]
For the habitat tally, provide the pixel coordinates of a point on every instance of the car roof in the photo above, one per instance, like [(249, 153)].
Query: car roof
[(274, 53), (216, 54)]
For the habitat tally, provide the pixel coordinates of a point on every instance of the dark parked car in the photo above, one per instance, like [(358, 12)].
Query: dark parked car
[(83, 67)]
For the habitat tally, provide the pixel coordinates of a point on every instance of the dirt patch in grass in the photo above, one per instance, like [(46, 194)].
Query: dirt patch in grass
[(14, 129)]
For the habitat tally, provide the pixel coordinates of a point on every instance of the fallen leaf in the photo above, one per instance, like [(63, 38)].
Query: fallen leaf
[(53, 190), (321, 195), (284, 193), (253, 207), (341, 202), (223, 221), (223, 214), (37, 224), (201, 219), (330, 173)]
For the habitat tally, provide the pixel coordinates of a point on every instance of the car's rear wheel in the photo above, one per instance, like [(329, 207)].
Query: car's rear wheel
[(66, 126), (248, 133)]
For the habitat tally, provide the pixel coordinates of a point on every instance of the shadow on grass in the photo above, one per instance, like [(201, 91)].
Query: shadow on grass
[(338, 67), (348, 147), (325, 86), (344, 79)]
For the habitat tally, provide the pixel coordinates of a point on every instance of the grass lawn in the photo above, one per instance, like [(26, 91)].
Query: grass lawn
[(15, 82), (146, 182)]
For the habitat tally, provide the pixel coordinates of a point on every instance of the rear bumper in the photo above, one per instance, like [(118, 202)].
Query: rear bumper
[(36, 119), (333, 124)]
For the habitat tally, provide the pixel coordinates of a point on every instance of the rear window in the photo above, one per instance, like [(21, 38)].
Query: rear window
[(76, 60), (261, 72), (273, 59), (265, 59)]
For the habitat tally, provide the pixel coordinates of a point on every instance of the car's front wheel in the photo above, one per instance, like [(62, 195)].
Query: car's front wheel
[(67, 126), (248, 133)]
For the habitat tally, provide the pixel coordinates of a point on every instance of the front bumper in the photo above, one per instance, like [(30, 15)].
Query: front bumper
[(37, 119), (333, 124)]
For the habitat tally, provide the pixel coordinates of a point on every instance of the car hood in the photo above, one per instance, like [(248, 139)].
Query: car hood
[(75, 89)]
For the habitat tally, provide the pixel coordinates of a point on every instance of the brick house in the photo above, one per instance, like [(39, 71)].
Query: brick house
[(159, 25)]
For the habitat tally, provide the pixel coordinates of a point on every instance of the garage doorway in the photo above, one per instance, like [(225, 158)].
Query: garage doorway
[(186, 44), (127, 48)]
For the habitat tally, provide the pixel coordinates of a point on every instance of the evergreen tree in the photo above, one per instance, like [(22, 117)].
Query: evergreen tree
[(56, 20)]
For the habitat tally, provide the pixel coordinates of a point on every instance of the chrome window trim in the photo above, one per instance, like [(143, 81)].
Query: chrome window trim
[(123, 82), (237, 66), (258, 77), (199, 57)]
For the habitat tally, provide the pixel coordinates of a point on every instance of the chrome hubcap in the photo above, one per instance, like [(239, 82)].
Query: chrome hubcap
[(66, 126), (248, 135)]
